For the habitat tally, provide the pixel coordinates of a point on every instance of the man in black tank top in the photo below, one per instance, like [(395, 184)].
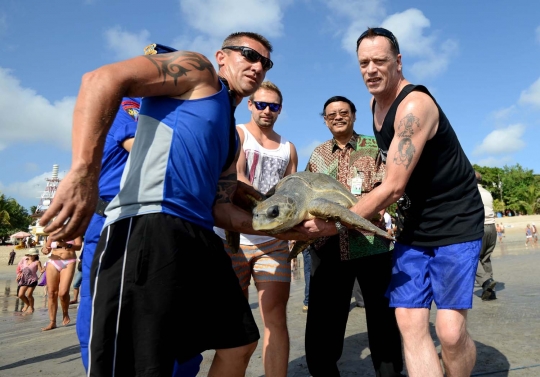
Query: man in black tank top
[(440, 212)]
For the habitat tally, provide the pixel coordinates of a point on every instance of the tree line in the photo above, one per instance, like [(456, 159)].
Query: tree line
[(13, 217)]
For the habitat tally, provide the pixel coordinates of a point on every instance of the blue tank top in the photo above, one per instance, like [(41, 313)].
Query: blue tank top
[(114, 154), (176, 159)]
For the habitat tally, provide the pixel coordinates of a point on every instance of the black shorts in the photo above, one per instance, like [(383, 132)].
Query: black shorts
[(163, 289)]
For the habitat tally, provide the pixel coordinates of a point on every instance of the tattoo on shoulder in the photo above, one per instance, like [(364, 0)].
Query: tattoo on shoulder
[(405, 127), (226, 188), (179, 63), (405, 152)]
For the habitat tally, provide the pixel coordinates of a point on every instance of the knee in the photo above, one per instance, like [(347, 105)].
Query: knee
[(21, 295), (63, 295), (411, 325), (242, 353), (451, 337)]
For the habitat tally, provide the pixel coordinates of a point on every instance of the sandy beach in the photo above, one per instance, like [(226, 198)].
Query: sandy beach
[(506, 331)]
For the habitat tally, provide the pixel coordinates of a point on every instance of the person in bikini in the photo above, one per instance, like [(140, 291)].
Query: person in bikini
[(60, 270)]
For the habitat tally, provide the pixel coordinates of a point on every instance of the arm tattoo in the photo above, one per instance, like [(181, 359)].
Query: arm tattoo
[(407, 125), (405, 152), (226, 188), (179, 63)]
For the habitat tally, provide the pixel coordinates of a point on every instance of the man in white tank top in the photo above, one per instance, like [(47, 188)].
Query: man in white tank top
[(266, 157)]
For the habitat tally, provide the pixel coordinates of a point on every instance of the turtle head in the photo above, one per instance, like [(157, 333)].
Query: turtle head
[(275, 215)]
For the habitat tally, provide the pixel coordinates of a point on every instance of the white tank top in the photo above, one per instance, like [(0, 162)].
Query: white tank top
[(264, 168)]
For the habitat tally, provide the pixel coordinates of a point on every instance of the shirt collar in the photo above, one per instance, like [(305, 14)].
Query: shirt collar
[(352, 142)]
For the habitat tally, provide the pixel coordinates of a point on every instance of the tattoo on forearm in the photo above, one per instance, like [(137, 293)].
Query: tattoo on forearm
[(226, 188), (179, 63), (406, 125), (405, 152)]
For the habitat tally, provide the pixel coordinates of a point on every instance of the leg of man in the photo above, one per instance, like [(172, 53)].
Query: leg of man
[(458, 349), (373, 275), (329, 302), (134, 331), (307, 276), (420, 353), (484, 271), (272, 275), (357, 294)]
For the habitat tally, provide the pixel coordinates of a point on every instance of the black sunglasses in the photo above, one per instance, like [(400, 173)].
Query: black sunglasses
[(252, 56), (381, 32), (262, 105)]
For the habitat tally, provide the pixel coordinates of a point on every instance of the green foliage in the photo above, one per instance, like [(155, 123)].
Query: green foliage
[(498, 206), (513, 187), (13, 217)]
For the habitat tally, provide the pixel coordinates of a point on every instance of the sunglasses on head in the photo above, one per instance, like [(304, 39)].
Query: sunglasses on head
[(381, 32), (262, 105), (252, 56)]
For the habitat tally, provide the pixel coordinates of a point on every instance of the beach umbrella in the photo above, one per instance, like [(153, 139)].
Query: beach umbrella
[(20, 235)]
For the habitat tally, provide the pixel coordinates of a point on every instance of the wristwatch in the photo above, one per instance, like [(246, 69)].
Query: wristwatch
[(342, 229)]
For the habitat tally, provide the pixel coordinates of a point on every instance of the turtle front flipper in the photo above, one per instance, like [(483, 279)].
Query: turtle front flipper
[(298, 247), (233, 240), (328, 210)]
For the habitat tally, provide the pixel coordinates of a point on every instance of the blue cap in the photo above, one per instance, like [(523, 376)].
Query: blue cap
[(156, 48)]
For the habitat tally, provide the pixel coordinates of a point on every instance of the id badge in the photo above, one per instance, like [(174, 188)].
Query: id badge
[(356, 185)]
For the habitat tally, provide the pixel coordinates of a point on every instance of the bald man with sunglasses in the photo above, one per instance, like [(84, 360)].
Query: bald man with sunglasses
[(158, 257), (266, 157)]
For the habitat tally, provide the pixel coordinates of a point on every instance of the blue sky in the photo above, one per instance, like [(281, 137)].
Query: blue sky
[(478, 58)]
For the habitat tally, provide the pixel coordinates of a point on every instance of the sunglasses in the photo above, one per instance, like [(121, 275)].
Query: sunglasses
[(381, 32), (252, 56), (342, 113), (262, 105)]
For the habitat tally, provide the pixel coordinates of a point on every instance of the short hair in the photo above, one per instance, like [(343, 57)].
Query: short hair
[(234, 39), (338, 99), (478, 177), (268, 85), (380, 32)]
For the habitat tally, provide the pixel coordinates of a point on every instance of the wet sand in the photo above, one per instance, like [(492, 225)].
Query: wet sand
[(506, 331)]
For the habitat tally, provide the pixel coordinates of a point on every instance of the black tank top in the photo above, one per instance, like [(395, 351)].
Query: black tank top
[(441, 204)]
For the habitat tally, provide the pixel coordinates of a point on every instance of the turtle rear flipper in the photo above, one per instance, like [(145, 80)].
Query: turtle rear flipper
[(233, 240), (328, 210), (298, 247)]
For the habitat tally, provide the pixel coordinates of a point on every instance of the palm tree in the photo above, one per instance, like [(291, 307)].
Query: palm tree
[(531, 199)]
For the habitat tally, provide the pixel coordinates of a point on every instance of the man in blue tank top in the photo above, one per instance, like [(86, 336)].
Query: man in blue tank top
[(440, 212), (158, 258)]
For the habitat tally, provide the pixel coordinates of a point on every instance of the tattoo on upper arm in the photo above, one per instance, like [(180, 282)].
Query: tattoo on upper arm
[(179, 63), (407, 124), (406, 149), (226, 188)]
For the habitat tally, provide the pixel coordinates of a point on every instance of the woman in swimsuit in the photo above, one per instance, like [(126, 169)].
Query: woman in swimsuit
[(27, 277), (60, 270)]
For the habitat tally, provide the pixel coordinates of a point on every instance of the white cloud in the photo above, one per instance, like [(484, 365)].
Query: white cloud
[(502, 141), (434, 56), (502, 114), (219, 18), (41, 120), (29, 191), (125, 44), (494, 161), (431, 55), (531, 95), (201, 44)]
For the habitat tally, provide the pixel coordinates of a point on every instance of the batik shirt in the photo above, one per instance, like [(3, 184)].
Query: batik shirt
[(359, 158)]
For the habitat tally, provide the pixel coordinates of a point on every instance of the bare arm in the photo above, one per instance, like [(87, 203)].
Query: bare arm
[(416, 122), (229, 216), (241, 163), (182, 74), (293, 161)]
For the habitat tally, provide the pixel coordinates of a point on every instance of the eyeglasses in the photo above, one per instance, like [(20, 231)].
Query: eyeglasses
[(262, 105), (381, 32), (342, 113), (252, 56)]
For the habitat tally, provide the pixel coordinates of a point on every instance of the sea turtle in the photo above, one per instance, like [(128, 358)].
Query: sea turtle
[(303, 196)]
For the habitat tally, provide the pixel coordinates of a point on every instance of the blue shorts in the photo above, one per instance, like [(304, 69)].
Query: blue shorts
[(444, 274)]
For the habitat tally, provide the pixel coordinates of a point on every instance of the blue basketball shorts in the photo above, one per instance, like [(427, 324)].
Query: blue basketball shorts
[(444, 274)]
